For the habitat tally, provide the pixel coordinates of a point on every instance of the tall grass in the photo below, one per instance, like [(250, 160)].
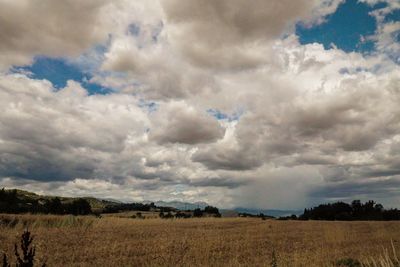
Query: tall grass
[(388, 258), (109, 241), (45, 221)]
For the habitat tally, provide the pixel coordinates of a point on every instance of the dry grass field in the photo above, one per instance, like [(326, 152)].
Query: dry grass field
[(112, 241)]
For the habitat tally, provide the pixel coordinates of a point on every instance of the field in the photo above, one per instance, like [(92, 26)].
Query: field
[(112, 241)]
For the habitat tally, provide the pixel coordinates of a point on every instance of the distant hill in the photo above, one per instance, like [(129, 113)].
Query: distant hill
[(270, 212), (30, 197)]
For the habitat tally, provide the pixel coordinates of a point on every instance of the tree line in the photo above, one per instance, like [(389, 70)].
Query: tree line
[(120, 207), (355, 211), (208, 211)]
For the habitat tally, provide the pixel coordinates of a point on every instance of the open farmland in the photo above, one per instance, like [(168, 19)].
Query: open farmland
[(111, 241)]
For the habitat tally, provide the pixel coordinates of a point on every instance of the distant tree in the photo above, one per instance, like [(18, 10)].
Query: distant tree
[(2, 194), (197, 213), (79, 207), (285, 218), (9, 201), (167, 209), (391, 215), (127, 207), (211, 210), (55, 206)]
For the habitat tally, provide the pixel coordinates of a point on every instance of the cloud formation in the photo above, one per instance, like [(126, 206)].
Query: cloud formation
[(230, 34), (212, 101), (177, 122), (32, 28)]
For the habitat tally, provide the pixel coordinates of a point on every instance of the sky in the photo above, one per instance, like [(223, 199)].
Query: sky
[(275, 104)]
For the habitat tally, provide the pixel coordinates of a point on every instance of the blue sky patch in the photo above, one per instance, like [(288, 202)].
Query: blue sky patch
[(134, 29), (223, 116), (345, 28), (58, 71), (148, 106), (393, 16)]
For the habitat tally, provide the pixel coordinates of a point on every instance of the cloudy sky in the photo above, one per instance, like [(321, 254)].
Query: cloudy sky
[(253, 103)]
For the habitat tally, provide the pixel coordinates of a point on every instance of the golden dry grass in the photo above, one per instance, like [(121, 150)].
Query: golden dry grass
[(110, 241)]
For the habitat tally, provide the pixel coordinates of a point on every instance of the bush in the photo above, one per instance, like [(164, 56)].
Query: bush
[(182, 215), (25, 258), (348, 262), (5, 261), (168, 215), (197, 213)]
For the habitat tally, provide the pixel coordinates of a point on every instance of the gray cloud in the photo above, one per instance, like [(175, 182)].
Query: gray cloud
[(227, 160), (48, 135), (37, 27), (179, 123), (220, 182), (363, 189), (61, 136), (232, 34)]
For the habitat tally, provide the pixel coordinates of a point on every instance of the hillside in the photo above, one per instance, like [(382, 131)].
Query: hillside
[(20, 201), (25, 199), (95, 203)]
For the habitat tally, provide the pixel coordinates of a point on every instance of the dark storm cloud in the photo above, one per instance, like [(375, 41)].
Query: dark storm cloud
[(385, 188), (227, 160), (220, 182)]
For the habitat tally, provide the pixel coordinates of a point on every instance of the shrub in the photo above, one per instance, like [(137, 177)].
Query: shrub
[(348, 262), (5, 261), (28, 252), (26, 257), (168, 215), (182, 215), (197, 213)]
